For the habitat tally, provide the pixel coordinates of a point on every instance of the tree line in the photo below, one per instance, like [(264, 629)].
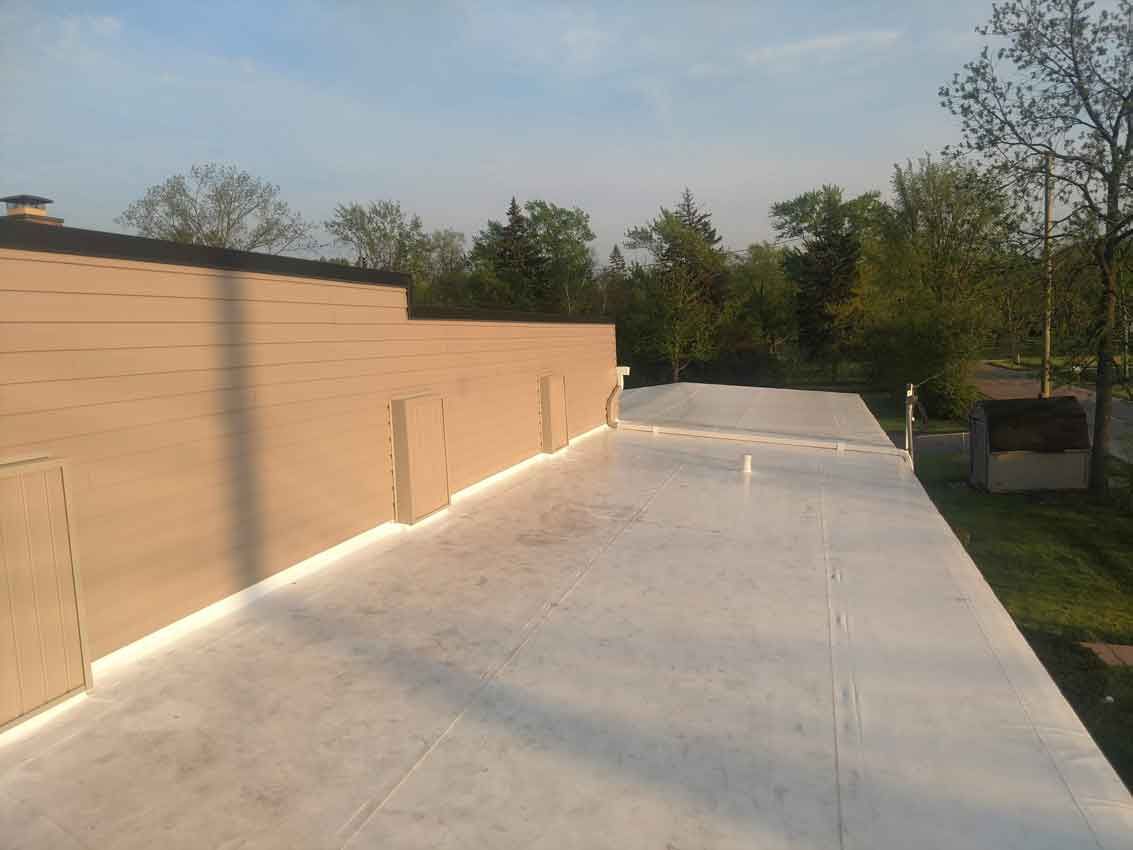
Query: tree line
[(890, 289), (910, 289)]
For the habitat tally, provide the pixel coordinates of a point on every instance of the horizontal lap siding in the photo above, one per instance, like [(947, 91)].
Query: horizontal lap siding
[(28, 366), (91, 336), (222, 425)]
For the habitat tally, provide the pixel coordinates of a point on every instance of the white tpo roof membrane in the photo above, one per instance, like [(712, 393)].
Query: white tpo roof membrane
[(631, 644)]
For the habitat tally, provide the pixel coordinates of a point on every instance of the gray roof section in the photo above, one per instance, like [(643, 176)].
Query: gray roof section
[(791, 417)]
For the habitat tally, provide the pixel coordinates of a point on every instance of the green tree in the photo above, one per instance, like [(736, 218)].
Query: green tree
[(519, 261), (685, 237), (669, 314), (507, 263), (947, 226), (692, 215), (445, 253), (680, 326), (1015, 307), (764, 299), (610, 282), (825, 267), (538, 259), (616, 262), (1061, 87), (444, 267), (382, 236), (931, 270), (560, 238), (220, 206)]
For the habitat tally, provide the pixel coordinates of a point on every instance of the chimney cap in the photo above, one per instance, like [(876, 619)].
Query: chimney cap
[(26, 200)]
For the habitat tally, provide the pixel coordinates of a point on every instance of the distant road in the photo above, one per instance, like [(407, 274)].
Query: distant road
[(997, 382)]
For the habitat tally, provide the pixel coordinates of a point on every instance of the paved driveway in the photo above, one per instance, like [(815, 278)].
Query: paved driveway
[(630, 645)]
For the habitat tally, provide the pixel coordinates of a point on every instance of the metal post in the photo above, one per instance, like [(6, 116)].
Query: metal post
[(910, 403)]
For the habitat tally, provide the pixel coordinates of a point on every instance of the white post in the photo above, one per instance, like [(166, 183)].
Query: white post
[(910, 403)]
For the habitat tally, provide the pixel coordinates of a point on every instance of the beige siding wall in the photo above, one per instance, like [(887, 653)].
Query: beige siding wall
[(221, 426)]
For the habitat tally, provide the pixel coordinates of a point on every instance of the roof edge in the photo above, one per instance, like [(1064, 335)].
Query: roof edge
[(488, 314), (33, 236), (75, 241)]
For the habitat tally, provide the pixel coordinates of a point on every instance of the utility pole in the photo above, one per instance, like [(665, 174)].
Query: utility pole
[(1048, 273)]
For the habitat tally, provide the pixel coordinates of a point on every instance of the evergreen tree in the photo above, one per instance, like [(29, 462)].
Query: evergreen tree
[(825, 267), (691, 215), (520, 262), (504, 258), (538, 259), (616, 263), (611, 282), (685, 238), (511, 251)]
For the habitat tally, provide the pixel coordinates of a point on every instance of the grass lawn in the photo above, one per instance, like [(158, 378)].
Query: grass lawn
[(889, 410), (806, 376), (887, 407), (1063, 568), (1026, 363)]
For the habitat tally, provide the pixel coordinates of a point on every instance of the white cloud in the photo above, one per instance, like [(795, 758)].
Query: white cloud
[(707, 71), (822, 45), (584, 45), (106, 25), (83, 31), (655, 94), (105, 111), (572, 42)]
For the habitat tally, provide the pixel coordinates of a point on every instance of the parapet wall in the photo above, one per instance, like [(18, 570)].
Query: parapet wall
[(220, 424)]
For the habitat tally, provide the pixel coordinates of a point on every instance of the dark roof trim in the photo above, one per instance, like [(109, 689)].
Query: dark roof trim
[(32, 236), (487, 314), (35, 236), (1031, 409)]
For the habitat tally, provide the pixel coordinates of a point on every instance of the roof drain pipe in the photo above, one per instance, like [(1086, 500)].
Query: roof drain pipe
[(612, 407)]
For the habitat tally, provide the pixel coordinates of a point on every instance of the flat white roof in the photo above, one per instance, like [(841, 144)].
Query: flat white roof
[(631, 644), (788, 415)]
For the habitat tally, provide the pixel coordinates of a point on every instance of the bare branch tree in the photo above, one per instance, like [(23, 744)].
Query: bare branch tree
[(221, 206), (381, 234), (1065, 90)]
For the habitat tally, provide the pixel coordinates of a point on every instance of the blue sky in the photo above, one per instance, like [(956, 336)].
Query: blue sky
[(451, 108)]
